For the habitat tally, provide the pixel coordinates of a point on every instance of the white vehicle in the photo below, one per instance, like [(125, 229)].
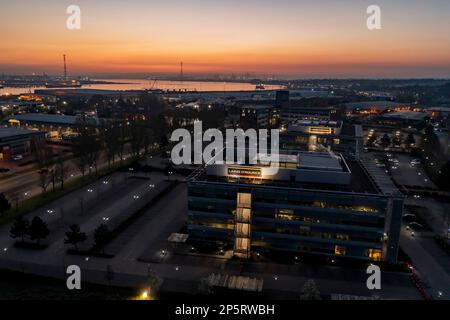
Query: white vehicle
[(415, 162), (17, 157)]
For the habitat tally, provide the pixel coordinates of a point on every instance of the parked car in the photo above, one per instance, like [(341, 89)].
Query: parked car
[(17, 157), (409, 217), (415, 226)]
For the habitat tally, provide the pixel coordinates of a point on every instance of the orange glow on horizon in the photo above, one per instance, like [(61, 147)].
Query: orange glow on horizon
[(230, 37)]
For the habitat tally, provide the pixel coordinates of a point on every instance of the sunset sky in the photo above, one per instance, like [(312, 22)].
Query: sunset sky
[(287, 38)]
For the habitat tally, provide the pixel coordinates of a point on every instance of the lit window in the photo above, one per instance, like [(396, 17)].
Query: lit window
[(374, 254), (339, 250)]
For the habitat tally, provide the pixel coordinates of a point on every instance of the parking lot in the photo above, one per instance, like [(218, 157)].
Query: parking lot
[(403, 173)]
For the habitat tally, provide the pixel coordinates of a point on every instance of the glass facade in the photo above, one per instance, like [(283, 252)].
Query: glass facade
[(334, 223)]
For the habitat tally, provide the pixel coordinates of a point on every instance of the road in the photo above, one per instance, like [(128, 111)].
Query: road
[(27, 184), (148, 235), (431, 271)]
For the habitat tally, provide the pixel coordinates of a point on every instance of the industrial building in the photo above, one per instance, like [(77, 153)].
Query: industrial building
[(15, 141), (316, 204), (56, 125)]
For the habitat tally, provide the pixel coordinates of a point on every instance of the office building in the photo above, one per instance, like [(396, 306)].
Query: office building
[(316, 204), (314, 135)]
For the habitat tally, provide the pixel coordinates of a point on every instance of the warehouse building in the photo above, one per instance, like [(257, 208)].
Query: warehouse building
[(15, 142)]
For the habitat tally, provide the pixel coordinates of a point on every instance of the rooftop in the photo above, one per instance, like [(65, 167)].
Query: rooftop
[(406, 115), (319, 161), (45, 118), (318, 123), (255, 106), (381, 105), (298, 170), (8, 132)]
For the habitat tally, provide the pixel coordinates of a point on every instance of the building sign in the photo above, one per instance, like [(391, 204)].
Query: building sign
[(244, 171), (320, 130)]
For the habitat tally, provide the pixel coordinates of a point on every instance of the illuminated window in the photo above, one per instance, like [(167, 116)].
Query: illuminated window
[(287, 212), (319, 204), (284, 216), (342, 237), (374, 254), (339, 250), (244, 200), (243, 214)]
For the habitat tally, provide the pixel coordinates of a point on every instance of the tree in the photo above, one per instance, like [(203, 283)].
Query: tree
[(38, 229), (444, 176), (154, 282), (110, 136), (19, 228), (137, 135), (101, 236), (61, 170), (409, 141), (205, 286), (385, 141), (86, 145), (109, 274), (309, 291), (75, 236), (4, 203), (43, 157), (123, 132)]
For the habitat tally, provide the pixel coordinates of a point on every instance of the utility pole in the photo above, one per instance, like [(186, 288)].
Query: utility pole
[(181, 71), (65, 67)]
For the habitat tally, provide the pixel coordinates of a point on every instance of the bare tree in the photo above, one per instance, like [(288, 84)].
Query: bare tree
[(86, 146), (110, 136), (62, 170), (43, 157)]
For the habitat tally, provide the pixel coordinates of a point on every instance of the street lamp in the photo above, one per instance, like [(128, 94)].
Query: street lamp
[(144, 294)]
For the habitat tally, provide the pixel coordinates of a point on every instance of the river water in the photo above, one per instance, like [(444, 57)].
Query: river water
[(140, 84)]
